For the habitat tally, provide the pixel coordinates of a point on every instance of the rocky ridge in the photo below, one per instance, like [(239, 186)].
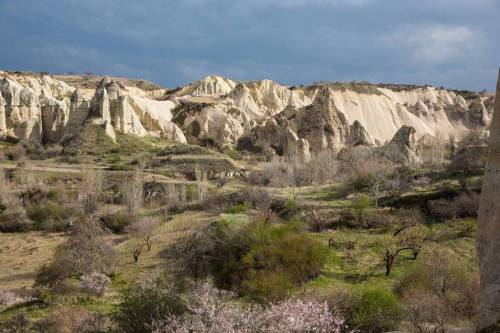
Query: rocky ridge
[(221, 112)]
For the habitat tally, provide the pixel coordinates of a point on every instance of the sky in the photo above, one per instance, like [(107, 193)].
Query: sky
[(450, 43)]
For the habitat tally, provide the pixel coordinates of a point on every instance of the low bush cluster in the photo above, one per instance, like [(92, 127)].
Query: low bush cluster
[(50, 215), (85, 252), (466, 204), (208, 309), (375, 310), (439, 292), (117, 222), (94, 283), (261, 260)]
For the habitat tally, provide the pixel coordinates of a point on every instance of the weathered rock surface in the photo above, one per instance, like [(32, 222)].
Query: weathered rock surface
[(318, 126), (219, 112), (403, 147), (222, 120), (488, 236), (42, 109), (3, 123)]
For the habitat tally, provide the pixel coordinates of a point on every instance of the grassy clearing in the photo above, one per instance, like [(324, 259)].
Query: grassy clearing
[(364, 265), (22, 254), (150, 263)]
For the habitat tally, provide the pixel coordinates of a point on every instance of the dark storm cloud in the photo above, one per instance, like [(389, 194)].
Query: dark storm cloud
[(452, 43)]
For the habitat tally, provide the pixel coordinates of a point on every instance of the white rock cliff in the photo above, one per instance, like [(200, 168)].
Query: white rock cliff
[(220, 112)]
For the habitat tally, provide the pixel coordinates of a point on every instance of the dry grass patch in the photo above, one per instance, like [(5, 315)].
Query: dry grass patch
[(22, 254), (164, 233)]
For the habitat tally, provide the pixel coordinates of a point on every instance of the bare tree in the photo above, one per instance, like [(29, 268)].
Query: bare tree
[(398, 182), (410, 239), (143, 229), (90, 190), (132, 191), (136, 252), (190, 255), (315, 220), (390, 256)]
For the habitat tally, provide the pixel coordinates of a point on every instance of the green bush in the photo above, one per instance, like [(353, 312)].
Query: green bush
[(49, 216), (120, 167), (140, 306), (264, 261), (375, 310), (239, 208), (362, 180), (117, 222)]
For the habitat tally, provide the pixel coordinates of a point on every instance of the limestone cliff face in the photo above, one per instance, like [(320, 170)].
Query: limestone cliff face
[(403, 146), (209, 86), (219, 111), (3, 123), (382, 110), (222, 120), (42, 109), (488, 236), (319, 125)]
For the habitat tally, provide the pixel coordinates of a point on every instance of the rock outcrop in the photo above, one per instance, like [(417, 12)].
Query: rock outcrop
[(488, 236), (42, 109), (213, 86), (3, 123), (219, 112), (403, 147), (319, 126), (222, 120)]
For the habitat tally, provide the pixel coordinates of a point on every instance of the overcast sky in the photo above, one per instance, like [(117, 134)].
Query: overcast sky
[(451, 43)]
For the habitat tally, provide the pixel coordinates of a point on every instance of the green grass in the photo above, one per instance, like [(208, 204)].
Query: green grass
[(364, 266), (5, 145)]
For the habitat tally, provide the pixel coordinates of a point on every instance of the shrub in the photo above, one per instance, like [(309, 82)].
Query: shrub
[(239, 208), (49, 216), (375, 310), (85, 252), (68, 320), (16, 153), (12, 214), (442, 209), (261, 260), (260, 254), (466, 204), (18, 323), (141, 306), (468, 160), (213, 310), (441, 290), (94, 283), (117, 223)]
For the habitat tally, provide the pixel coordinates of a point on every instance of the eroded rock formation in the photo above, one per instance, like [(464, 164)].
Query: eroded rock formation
[(42, 109), (219, 112), (488, 237), (403, 146)]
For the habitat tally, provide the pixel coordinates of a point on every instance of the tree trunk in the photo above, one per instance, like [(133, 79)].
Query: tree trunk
[(488, 235)]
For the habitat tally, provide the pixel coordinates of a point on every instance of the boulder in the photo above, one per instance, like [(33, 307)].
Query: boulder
[(358, 135), (403, 147)]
